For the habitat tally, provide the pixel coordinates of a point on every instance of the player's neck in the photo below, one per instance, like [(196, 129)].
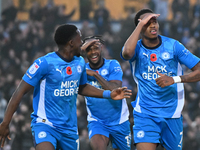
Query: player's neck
[(66, 55), (151, 42)]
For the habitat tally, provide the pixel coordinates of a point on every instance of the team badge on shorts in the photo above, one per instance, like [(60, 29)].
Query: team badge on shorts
[(42, 134), (140, 134)]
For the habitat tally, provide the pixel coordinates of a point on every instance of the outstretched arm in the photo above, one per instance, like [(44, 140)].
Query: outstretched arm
[(116, 94), (194, 76), (22, 89)]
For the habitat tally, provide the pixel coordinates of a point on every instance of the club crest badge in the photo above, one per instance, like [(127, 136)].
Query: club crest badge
[(165, 55), (104, 72), (79, 69), (42, 134), (140, 134)]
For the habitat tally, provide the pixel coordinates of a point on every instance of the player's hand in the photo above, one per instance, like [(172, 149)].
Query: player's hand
[(90, 72), (146, 19), (164, 80), (121, 93), (4, 133), (88, 43)]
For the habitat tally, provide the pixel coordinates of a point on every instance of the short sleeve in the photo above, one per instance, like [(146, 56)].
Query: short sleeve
[(36, 72), (115, 71), (184, 56)]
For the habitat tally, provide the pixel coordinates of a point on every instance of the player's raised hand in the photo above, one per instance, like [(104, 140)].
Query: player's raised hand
[(146, 19), (121, 93), (4, 133), (88, 43), (164, 80)]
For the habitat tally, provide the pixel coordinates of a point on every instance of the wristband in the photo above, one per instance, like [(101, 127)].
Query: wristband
[(177, 79), (106, 94)]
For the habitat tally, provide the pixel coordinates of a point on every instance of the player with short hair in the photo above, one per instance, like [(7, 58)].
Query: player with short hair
[(57, 79), (108, 120), (155, 62)]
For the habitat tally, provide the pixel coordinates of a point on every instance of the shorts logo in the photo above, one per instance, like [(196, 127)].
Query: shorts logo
[(104, 72), (140, 134), (33, 68), (42, 134), (79, 69), (165, 55)]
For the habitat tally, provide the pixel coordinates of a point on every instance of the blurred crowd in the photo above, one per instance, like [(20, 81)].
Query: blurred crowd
[(22, 42)]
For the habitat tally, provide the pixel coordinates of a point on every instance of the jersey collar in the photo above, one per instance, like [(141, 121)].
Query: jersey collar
[(160, 39)]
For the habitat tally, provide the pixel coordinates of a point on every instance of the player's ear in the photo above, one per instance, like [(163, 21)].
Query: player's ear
[(71, 43)]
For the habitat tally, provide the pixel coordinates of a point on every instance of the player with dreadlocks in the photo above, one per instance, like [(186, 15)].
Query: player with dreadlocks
[(107, 119)]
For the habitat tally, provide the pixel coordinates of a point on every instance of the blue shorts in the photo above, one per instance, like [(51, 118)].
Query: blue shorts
[(119, 135), (45, 133), (166, 131)]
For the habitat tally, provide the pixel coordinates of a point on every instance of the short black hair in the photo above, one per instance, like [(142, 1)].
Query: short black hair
[(64, 33), (141, 12)]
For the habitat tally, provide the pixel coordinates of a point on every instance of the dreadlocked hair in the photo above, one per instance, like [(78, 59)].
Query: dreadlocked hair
[(98, 37)]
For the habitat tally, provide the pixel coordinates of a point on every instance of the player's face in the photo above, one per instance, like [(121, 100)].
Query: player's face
[(94, 53), (78, 43), (150, 30)]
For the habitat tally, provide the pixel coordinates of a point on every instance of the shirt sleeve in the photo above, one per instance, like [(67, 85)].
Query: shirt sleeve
[(36, 72), (115, 71), (184, 56)]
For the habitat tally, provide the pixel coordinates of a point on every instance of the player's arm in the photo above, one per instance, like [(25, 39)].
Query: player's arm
[(194, 76), (106, 85), (130, 44), (21, 90), (116, 94)]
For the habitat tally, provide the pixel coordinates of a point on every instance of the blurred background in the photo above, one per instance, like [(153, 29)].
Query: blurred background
[(26, 33)]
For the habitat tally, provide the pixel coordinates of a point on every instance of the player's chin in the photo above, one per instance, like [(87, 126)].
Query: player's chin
[(94, 61), (78, 54)]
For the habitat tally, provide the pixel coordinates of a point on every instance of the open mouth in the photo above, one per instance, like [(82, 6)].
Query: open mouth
[(153, 31), (94, 57)]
